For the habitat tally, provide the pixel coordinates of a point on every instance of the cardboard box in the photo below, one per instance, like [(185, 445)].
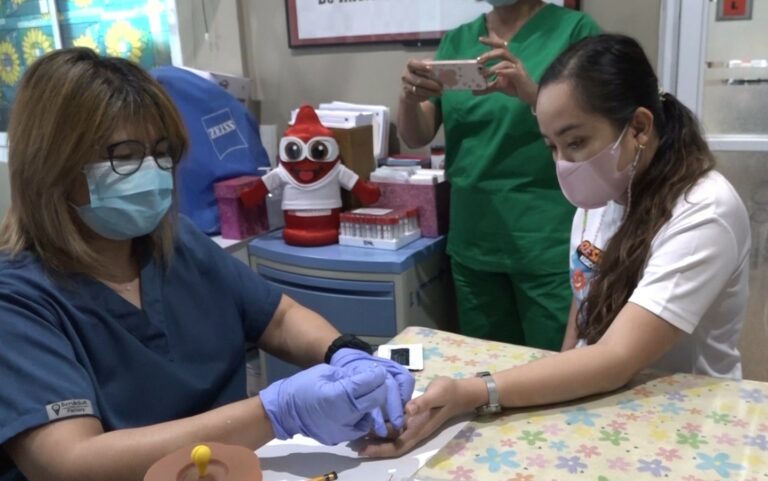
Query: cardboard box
[(355, 145)]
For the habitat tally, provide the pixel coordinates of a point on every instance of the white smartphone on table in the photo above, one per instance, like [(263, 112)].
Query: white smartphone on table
[(459, 74)]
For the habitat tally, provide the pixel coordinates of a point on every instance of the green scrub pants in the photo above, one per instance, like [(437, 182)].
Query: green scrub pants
[(524, 309)]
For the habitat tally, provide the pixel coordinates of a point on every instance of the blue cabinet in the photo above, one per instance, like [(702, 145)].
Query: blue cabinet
[(370, 293), (362, 307)]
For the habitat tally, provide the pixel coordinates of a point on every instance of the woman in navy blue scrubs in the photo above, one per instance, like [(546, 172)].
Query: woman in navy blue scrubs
[(123, 327)]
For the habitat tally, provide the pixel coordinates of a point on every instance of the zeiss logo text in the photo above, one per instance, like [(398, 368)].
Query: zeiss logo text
[(223, 132), (222, 129)]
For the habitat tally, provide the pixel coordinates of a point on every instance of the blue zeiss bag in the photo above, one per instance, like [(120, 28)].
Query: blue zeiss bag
[(224, 142)]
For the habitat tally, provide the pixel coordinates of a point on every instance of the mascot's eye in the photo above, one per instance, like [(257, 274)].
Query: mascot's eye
[(319, 151), (293, 151), (323, 149)]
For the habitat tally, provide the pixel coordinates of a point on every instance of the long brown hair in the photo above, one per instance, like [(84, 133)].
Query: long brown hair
[(611, 76), (69, 103)]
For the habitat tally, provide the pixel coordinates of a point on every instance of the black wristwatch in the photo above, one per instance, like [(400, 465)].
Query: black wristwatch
[(347, 340)]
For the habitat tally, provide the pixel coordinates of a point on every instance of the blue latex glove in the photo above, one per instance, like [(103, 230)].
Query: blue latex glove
[(327, 403), (399, 383)]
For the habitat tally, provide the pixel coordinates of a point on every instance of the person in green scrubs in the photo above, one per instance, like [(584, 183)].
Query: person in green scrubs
[(509, 222)]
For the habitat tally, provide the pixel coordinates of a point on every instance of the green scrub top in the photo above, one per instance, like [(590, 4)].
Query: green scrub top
[(507, 211)]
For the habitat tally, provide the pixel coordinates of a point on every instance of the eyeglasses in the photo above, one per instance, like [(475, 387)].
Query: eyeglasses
[(319, 149), (126, 157)]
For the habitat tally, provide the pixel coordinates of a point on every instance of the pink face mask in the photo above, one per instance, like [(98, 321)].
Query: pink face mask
[(593, 183)]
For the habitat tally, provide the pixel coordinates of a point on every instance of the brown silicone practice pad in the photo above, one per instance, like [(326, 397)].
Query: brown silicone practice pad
[(228, 463)]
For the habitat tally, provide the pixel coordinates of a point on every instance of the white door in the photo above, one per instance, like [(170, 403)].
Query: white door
[(719, 68)]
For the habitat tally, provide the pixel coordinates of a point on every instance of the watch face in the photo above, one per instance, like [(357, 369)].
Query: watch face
[(348, 341), (359, 344), (489, 409)]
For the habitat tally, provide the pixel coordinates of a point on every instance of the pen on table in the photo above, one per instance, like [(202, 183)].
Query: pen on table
[(332, 476)]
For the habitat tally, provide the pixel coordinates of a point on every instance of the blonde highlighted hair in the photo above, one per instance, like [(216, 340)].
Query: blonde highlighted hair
[(67, 106)]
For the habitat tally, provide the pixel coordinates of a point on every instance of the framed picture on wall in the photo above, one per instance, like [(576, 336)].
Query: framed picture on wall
[(343, 22)]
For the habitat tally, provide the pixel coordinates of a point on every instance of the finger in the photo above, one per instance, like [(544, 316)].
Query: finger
[(497, 85), (427, 86), (495, 54), (393, 433), (506, 81), (436, 395), (429, 91), (407, 383), (418, 421), (394, 405), (379, 425), (431, 85), (504, 65), (418, 428), (412, 408), (496, 72), (493, 42), (419, 67), (418, 405), (366, 388), (418, 78), (419, 93), (364, 426), (403, 377)]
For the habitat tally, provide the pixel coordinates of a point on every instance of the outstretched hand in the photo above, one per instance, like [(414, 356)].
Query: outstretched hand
[(424, 415)]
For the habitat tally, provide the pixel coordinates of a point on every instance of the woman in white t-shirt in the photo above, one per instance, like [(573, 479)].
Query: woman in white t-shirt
[(660, 244)]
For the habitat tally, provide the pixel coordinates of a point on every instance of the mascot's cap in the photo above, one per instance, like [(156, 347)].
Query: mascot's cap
[(307, 125)]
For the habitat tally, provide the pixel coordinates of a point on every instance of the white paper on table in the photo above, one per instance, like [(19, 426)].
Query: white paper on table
[(300, 458)]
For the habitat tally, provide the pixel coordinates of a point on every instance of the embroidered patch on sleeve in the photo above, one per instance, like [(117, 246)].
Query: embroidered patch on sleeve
[(65, 409)]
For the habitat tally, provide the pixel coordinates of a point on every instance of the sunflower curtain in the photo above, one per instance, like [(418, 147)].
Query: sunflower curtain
[(134, 29)]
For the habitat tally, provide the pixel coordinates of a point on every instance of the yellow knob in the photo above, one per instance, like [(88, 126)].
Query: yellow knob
[(201, 456)]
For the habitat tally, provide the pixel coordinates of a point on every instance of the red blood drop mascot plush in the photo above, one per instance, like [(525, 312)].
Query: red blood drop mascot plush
[(310, 173)]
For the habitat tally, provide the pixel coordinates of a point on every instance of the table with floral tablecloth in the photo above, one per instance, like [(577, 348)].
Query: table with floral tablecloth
[(676, 427)]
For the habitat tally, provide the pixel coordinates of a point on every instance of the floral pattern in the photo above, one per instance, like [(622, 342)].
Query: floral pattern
[(35, 45), (125, 40), (10, 65), (691, 428)]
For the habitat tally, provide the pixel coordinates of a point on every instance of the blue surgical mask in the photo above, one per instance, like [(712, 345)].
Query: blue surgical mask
[(126, 206), (501, 3)]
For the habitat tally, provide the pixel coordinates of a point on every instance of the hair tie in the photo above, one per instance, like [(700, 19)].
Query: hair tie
[(662, 93)]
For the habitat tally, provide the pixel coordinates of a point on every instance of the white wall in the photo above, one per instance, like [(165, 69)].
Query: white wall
[(219, 51), (639, 19), (738, 39)]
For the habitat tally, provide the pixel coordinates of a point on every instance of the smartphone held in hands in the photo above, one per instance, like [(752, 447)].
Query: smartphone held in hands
[(459, 74)]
